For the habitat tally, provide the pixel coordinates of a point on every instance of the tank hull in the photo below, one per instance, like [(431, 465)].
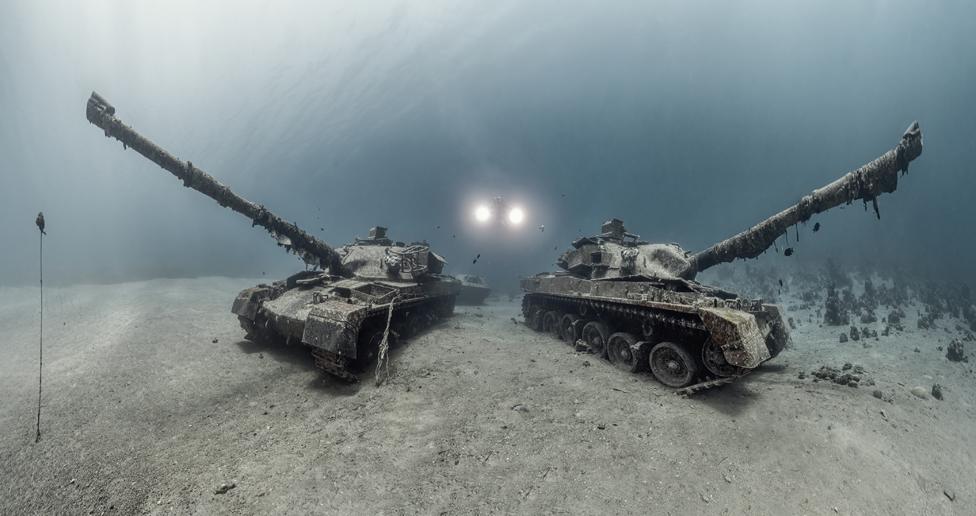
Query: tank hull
[(342, 320), (473, 294), (474, 289), (724, 335)]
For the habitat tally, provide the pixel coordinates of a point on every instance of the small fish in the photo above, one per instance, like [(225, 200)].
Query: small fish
[(321, 229), (816, 227), (788, 251), (542, 228), (454, 235), (781, 283), (438, 227)]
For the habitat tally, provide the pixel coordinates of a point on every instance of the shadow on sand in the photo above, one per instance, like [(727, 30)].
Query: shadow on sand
[(300, 357), (734, 398), (731, 399)]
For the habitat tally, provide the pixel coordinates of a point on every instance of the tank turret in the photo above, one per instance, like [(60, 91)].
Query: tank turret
[(637, 304), (354, 301), (617, 253)]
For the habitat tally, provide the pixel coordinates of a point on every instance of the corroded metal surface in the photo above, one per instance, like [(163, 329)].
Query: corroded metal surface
[(737, 334)]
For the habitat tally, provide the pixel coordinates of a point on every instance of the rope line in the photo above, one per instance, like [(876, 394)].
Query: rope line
[(40, 347), (383, 355)]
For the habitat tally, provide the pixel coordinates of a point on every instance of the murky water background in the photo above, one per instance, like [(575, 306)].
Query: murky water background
[(691, 121)]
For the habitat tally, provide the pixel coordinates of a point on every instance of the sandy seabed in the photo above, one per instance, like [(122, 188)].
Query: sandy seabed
[(144, 413)]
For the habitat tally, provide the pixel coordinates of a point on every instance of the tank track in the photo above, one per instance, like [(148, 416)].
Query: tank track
[(678, 326), (662, 318), (704, 386), (334, 365), (636, 313)]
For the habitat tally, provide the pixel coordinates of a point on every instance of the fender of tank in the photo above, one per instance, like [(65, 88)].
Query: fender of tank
[(637, 304), (349, 303)]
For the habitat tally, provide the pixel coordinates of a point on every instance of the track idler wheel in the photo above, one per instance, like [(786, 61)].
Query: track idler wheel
[(625, 352), (569, 329), (595, 335), (550, 322), (672, 365)]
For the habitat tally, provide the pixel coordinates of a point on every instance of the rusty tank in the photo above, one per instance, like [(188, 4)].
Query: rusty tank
[(637, 304), (348, 305)]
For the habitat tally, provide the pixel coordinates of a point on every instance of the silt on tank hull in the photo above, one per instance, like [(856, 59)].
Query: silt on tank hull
[(349, 306), (637, 304)]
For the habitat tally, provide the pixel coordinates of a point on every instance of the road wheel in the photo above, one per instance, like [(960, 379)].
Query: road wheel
[(625, 352), (595, 335), (568, 328), (550, 323), (672, 365)]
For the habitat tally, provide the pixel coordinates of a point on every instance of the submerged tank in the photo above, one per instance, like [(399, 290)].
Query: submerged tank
[(638, 304), (474, 289), (348, 305)]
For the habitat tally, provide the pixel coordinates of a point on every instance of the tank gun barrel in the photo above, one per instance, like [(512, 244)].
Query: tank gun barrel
[(866, 183), (310, 249)]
